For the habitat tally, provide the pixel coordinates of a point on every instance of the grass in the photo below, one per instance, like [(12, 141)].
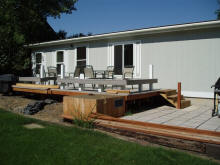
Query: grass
[(57, 144), (83, 120), (84, 123)]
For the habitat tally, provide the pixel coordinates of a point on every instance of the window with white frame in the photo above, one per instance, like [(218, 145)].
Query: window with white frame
[(81, 56), (38, 62), (60, 61)]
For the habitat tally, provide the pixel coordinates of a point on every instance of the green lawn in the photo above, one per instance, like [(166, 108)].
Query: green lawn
[(56, 144)]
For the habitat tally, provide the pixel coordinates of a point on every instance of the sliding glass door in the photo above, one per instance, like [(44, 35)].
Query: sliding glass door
[(81, 57), (123, 57), (118, 59)]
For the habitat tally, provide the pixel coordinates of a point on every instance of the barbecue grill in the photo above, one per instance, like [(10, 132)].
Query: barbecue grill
[(6, 81), (216, 110)]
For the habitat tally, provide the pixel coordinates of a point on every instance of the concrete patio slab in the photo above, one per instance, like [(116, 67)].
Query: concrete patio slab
[(197, 116)]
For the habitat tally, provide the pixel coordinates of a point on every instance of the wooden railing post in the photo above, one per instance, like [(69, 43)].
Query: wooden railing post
[(179, 96)]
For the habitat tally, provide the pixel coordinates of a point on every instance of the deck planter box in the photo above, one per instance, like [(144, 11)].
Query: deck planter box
[(82, 106)]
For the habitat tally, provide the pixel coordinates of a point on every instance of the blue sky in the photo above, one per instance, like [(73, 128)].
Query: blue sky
[(104, 16)]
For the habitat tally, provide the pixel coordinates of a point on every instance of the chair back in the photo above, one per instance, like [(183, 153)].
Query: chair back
[(128, 72), (77, 72), (110, 68), (217, 84), (52, 71), (89, 66), (110, 72), (89, 72)]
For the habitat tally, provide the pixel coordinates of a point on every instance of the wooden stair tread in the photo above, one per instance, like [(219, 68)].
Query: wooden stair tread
[(167, 91), (174, 97), (185, 103)]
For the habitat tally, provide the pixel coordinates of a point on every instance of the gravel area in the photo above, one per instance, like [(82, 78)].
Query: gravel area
[(51, 112)]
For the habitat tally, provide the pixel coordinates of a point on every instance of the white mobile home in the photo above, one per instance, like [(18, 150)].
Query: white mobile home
[(187, 53)]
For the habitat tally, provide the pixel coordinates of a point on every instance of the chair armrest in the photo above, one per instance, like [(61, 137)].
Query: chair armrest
[(131, 73), (108, 73), (69, 73)]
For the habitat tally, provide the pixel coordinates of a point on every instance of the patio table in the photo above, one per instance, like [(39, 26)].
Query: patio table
[(37, 79), (101, 82)]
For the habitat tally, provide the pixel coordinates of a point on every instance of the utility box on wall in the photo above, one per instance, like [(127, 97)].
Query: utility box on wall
[(82, 106)]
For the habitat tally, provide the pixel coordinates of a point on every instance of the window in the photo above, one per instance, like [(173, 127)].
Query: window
[(81, 56), (128, 55), (123, 57), (118, 60), (38, 62), (60, 60)]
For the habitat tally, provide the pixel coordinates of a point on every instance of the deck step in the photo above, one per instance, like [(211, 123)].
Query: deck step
[(174, 97), (171, 96), (168, 92), (185, 103)]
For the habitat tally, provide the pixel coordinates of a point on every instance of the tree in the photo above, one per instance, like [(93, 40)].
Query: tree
[(24, 22), (89, 34), (61, 34), (218, 11), (77, 35)]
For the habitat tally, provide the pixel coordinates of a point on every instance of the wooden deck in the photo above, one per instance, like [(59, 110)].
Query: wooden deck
[(67, 92), (191, 128)]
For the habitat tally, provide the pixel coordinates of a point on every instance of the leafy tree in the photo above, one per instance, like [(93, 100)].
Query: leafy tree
[(61, 34), (81, 35), (23, 22), (77, 35), (89, 34)]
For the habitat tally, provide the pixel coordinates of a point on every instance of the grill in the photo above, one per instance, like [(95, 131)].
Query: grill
[(6, 81), (216, 109)]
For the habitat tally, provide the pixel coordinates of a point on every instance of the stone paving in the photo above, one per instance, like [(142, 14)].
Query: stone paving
[(198, 116)]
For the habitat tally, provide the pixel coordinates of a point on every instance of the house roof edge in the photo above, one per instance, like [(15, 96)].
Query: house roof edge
[(112, 35)]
